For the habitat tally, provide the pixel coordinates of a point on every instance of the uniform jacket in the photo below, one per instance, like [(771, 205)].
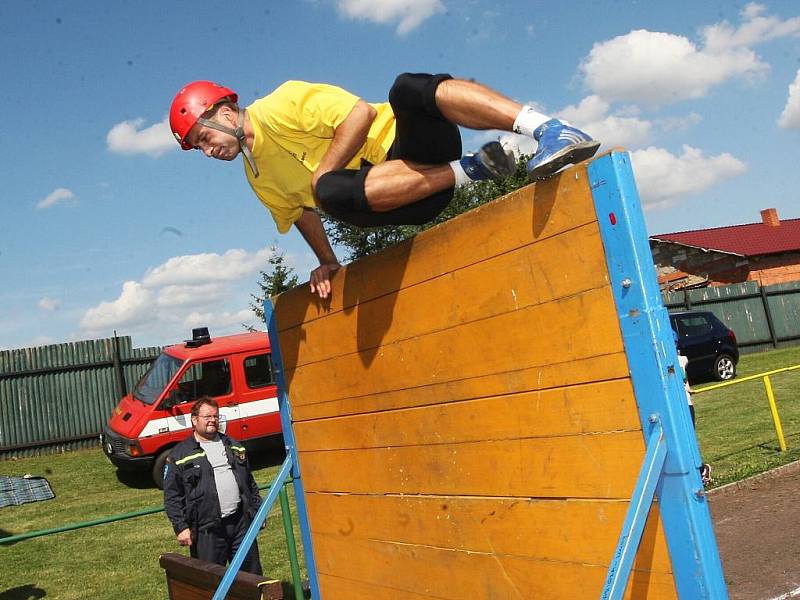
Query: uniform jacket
[(190, 493)]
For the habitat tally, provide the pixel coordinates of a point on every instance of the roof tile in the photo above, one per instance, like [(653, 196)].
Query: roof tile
[(748, 240)]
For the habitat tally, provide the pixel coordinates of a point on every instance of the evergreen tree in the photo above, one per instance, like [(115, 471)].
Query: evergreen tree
[(276, 279)]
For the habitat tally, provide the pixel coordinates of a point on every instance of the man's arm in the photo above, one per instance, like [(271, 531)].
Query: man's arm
[(174, 503), (348, 137), (310, 227)]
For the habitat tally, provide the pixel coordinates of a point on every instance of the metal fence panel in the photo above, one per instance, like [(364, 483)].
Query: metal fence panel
[(761, 318), (57, 397), (784, 304)]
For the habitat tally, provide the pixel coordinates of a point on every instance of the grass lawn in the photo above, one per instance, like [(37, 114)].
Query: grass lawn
[(734, 424), (115, 560), (120, 559)]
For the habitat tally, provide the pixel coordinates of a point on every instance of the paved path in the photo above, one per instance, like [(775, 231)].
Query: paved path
[(757, 522)]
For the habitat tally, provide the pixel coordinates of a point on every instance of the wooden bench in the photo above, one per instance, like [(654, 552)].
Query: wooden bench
[(192, 579)]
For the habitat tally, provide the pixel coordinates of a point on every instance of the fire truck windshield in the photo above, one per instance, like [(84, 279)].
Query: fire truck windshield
[(156, 379)]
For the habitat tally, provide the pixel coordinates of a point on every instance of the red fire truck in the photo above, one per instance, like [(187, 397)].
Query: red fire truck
[(235, 370)]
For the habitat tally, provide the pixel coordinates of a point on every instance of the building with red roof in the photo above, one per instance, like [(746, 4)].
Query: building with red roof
[(767, 252)]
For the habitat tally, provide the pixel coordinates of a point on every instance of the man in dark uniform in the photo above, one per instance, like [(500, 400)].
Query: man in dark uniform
[(210, 495)]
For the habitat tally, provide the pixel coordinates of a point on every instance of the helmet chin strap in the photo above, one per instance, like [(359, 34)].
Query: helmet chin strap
[(238, 133)]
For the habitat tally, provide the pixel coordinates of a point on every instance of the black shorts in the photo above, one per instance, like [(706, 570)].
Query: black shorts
[(422, 135)]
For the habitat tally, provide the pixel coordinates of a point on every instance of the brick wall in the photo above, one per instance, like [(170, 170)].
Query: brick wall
[(766, 270), (769, 270)]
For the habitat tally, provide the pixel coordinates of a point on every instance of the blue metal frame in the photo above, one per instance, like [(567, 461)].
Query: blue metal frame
[(249, 537), (654, 368), (636, 518), (291, 448)]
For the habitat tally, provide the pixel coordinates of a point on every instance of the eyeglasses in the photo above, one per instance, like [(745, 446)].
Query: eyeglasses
[(209, 417)]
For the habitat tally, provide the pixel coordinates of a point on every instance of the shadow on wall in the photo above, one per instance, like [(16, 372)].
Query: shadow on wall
[(544, 198), (374, 299)]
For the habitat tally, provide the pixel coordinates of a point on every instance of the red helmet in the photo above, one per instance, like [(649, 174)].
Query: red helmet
[(191, 102)]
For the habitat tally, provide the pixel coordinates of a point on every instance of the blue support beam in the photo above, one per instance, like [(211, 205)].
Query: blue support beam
[(653, 364), (291, 449), (620, 569), (249, 537)]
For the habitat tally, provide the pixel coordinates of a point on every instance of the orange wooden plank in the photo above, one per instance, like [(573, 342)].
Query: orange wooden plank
[(336, 587), (540, 377), (570, 329), (560, 266), (447, 574), (581, 531), (600, 407), (582, 466), (532, 213)]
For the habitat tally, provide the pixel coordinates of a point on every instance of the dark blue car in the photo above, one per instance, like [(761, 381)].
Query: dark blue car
[(708, 344)]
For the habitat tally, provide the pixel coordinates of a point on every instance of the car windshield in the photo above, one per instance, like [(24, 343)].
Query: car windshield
[(156, 379)]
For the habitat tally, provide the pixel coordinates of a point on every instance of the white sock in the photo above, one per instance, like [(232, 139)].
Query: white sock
[(461, 176), (529, 119)]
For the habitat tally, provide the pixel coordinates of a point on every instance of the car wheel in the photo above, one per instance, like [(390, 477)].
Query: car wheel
[(724, 368), (158, 468)]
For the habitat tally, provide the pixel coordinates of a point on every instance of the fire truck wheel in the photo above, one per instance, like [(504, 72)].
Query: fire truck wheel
[(158, 468)]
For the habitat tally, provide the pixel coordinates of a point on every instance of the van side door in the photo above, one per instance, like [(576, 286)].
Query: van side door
[(257, 396), (203, 378)]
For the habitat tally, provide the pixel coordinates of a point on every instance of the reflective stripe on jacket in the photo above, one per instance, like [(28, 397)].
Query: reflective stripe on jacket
[(190, 492)]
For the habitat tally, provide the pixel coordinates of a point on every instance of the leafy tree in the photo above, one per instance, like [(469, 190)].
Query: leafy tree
[(361, 242), (276, 279)]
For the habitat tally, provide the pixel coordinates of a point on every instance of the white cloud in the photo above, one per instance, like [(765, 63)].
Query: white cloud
[(132, 307), (57, 195), (591, 115), (661, 68), (127, 138), (756, 28), (48, 304), (185, 291), (680, 123), (190, 295), (206, 268), (790, 117), (658, 68), (408, 14), (223, 319), (664, 178)]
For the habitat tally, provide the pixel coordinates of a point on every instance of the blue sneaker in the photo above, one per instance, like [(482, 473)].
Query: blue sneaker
[(559, 145), (491, 162)]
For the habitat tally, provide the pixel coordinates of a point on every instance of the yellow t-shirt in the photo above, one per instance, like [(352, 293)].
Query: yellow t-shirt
[(293, 128)]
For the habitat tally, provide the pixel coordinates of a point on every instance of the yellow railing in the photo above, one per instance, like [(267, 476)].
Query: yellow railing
[(770, 396)]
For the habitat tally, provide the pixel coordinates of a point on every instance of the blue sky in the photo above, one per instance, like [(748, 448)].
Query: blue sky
[(106, 225)]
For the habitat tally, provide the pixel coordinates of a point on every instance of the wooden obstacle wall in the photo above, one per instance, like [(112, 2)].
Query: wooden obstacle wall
[(464, 417)]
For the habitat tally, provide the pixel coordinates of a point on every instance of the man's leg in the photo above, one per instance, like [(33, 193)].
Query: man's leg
[(426, 156), (396, 183), (236, 531), (210, 546), (476, 106), (424, 160)]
